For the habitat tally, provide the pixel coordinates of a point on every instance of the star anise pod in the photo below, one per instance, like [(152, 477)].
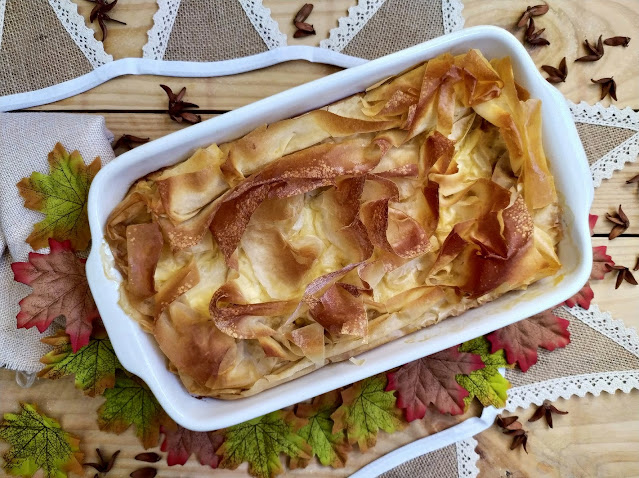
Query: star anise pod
[(557, 75), (608, 87), (303, 29), (129, 141), (101, 13), (513, 427), (146, 472), (546, 409), (177, 107), (636, 267), (533, 37), (596, 52), (621, 223), (634, 179), (105, 465), (149, 457), (617, 41), (622, 274), (530, 12)]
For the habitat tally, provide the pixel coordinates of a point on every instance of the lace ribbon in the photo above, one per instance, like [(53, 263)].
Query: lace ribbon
[(158, 35)]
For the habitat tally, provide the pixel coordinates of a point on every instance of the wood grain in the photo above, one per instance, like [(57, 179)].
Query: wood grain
[(568, 24), (614, 192)]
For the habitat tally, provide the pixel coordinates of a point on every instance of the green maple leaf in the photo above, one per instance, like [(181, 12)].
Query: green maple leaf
[(366, 408), (94, 365), (62, 197), (330, 448), (487, 384), (130, 402), (261, 441), (38, 442)]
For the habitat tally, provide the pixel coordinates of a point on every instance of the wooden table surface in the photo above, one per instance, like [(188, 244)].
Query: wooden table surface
[(600, 436)]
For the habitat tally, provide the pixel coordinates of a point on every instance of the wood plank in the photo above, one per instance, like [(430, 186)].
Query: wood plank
[(77, 415), (612, 193), (598, 438), (622, 303), (568, 24)]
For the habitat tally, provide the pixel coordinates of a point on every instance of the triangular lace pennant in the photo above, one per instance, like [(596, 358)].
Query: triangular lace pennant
[(201, 30)]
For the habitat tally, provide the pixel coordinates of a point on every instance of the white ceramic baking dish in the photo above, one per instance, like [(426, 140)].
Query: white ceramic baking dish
[(138, 351)]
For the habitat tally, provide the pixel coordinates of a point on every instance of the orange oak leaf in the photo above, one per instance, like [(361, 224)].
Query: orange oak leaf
[(521, 339), (182, 443), (60, 288), (431, 380)]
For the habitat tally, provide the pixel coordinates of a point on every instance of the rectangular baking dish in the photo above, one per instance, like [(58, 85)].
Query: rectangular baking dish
[(138, 351)]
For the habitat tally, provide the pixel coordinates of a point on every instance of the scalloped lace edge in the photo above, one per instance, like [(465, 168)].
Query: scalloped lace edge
[(350, 25), (452, 15), (3, 5), (266, 27), (616, 158), (467, 458), (82, 36), (566, 387), (158, 35)]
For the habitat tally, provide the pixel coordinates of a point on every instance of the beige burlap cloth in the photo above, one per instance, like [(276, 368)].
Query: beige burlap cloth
[(36, 51), (25, 141)]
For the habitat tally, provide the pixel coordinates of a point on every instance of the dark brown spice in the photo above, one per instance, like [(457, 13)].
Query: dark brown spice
[(129, 141), (546, 410), (146, 472), (533, 37), (177, 107), (617, 41), (557, 75), (303, 13), (623, 274), (514, 428), (101, 13), (105, 465), (530, 12), (596, 52), (620, 221), (149, 457), (634, 179), (608, 87), (305, 27), (302, 33), (636, 267)]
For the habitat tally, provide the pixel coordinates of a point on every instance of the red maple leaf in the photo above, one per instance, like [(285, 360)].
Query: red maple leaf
[(60, 288), (521, 339), (432, 380), (599, 261), (182, 443), (581, 298), (592, 220)]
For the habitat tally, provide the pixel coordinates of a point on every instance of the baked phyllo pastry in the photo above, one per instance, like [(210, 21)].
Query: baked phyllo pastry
[(313, 239)]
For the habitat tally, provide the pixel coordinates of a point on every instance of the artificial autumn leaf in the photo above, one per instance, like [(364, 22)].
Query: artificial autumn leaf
[(600, 261), (485, 384), (330, 448), (104, 466), (592, 221), (38, 442), (60, 288), (521, 339), (617, 41), (260, 442), (366, 408), (556, 75), (62, 197), (596, 52), (182, 443), (620, 221), (94, 365), (431, 380), (130, 402), (546, 409), (582, 298), (608, 87)]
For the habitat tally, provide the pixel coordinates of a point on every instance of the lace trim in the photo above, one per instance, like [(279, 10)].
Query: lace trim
[(603, 323), (158, 35), (612, 116), (467, 458), (452, 16), (260, 17), (3, 4), (566, 387), (83, 36), (350, 25)]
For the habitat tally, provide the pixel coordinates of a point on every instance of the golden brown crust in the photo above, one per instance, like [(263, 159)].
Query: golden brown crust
[(313, 239)]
